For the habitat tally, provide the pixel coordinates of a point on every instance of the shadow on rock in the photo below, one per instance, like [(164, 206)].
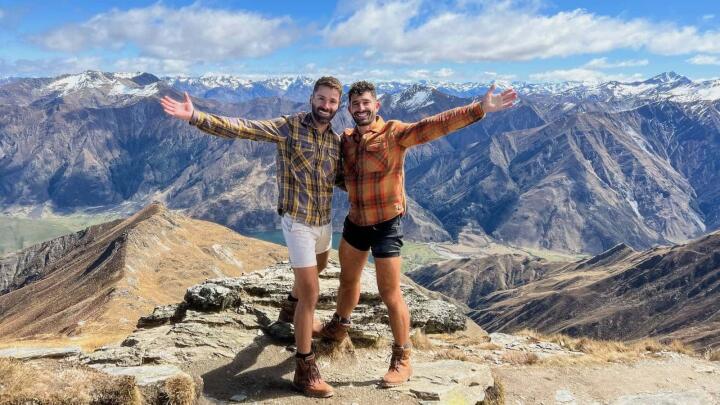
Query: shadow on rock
[(242, 377)]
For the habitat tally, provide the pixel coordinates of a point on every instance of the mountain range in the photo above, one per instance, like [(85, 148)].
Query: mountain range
[(572, 167), (667, 292)]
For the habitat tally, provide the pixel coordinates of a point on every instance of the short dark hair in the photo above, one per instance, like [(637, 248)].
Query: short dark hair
[(361, 87), (328, 81)]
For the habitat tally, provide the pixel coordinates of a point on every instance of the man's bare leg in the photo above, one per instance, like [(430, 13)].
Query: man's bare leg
[(352, 262), (308, 289), (388, 279), (387, 272), (322, 260)]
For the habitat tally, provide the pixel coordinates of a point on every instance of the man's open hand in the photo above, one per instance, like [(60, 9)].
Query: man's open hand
[(182, 110), (498, 102)]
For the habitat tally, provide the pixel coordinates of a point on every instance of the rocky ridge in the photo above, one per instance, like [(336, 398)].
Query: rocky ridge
[(98, 281)]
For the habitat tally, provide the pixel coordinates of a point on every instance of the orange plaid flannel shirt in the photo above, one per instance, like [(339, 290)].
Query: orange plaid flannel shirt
[(374, 162)]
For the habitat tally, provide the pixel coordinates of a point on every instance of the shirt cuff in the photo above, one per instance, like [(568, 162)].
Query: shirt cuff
[(478, 111), (195, 117)]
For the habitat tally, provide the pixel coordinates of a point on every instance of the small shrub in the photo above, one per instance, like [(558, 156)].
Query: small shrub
[(494, 395), (451, 354), (520, 358), (180, 390), (420, 340)]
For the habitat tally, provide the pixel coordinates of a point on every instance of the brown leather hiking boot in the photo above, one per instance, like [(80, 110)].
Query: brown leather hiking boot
[(334, 330), (307, 379), (400, 370), (287, 311)]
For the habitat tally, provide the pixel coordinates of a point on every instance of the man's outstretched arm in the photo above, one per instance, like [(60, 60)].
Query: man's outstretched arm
[(442, 124), (226, 127)]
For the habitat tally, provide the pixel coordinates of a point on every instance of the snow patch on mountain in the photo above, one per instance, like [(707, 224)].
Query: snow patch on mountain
[(120, 89)]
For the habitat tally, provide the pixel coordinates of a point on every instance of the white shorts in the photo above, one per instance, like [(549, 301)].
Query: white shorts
[(305, 241)]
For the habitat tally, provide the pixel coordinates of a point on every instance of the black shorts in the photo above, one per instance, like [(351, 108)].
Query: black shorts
[(384, 239)]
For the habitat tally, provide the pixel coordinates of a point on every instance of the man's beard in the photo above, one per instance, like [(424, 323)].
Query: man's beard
[(322, 119), (364, 121)]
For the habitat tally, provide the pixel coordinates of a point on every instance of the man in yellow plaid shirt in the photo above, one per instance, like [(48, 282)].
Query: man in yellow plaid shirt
[(308, 152)]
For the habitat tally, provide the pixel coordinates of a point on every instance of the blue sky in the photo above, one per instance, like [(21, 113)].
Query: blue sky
[(453, 40)]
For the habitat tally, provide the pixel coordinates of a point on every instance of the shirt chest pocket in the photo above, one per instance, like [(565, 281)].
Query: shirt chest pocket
[(328, 166), (302, 156), (376, 155)]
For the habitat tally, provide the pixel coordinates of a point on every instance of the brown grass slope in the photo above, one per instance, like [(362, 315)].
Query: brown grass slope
[(96, 291), (665, 292)]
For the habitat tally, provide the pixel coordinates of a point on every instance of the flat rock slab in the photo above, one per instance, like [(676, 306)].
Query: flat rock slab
[(29, 353), (449, 381), (144, 375)]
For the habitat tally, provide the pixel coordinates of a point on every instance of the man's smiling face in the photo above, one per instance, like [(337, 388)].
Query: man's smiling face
[(363, 108), (325, 102)]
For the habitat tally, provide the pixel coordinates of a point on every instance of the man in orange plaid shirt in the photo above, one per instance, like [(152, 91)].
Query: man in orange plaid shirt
[(374, 154)]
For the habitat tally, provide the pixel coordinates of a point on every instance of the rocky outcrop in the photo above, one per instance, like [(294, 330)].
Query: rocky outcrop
[(220, 315)]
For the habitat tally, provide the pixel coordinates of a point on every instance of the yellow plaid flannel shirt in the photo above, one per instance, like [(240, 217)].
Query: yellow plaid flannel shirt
[(307, 160)]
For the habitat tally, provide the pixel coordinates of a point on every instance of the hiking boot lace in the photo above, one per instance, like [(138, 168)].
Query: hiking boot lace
[(395, 361)]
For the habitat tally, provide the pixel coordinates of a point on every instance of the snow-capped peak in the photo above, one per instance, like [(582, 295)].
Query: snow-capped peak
[(667, 77), (85, 80), (414, 97), (112, 84)]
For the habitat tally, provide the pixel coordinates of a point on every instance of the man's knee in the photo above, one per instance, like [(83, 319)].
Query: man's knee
[(391, 296), (348, 280), (307, 285), (308, 296)]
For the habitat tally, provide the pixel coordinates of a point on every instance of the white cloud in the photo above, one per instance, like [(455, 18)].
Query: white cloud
[(424, 74), (412, 31), (445, 73), (602, 63), (169, 67), (191, 33), (708, 17), (704, 60), (582, 75), (418, 74)]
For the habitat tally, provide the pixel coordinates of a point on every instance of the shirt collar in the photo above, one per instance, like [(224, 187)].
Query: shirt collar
[(375, 127), (308, 121)]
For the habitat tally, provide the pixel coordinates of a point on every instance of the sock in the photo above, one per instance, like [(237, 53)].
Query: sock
[(344, 321), (303, 356), (291, 298)]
